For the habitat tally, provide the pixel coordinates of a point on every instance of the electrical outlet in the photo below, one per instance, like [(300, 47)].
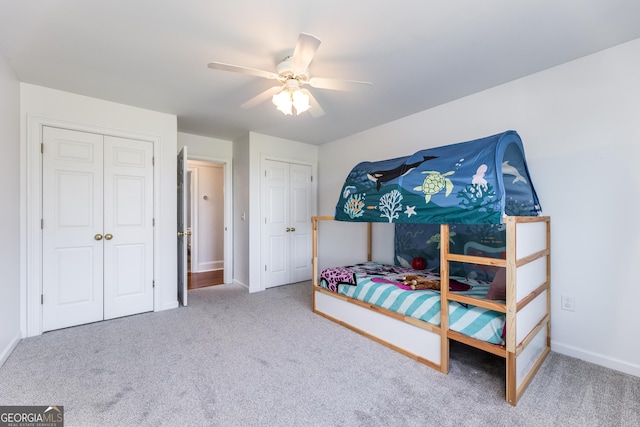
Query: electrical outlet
[(568, 303)]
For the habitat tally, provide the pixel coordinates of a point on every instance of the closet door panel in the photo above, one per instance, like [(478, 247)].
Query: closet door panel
[(72, 275), (128, 225), (300, 220), (276, 250)]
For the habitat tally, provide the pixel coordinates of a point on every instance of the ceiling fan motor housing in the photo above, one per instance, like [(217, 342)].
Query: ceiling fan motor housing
[(286, 73)]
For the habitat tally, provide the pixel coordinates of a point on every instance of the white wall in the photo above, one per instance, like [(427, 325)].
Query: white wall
[(207, 199), (249, 153), (10, 213), (241, 182), (44, 105), (205, 148), (580, 126)]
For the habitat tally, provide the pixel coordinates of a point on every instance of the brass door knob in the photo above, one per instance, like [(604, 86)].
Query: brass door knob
[(185, 233), (98, 237), (293, 229), (108, 236)]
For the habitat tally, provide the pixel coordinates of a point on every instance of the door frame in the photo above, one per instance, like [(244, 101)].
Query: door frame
[(227, 166), (31, 209), (313, 209)]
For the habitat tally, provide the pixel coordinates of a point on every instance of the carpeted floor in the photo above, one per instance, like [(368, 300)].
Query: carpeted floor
[(236, 359)]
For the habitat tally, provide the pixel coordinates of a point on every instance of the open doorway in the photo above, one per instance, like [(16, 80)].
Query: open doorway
[(206, 220)]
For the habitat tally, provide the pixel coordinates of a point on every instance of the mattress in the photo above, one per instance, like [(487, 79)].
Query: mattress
[(381, 285)]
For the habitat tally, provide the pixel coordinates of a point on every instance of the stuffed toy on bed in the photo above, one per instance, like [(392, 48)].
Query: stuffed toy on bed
[(419, 282)]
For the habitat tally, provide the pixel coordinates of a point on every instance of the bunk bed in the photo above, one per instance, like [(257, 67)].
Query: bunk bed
[(478, 219)]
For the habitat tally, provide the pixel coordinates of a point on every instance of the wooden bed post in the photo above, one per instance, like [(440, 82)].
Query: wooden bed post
[(314, 247), (510, 341), (314, 251), (369, 241), (548, 222), (444, 301), (314, 260)]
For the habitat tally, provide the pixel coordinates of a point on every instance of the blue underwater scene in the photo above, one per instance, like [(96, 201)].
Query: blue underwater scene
[(466, 183)]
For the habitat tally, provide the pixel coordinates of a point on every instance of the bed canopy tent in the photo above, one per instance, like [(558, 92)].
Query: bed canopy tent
[(474, 182)]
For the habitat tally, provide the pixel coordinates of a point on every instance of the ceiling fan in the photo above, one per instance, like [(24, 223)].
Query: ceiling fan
[(292, 74)]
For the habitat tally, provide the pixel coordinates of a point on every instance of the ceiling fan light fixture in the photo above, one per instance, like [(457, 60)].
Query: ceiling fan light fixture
[(288, 99), (292, 73), (282, 101), (300, 101)]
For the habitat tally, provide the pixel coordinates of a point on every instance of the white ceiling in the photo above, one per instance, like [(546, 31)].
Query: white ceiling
[(418, 53)]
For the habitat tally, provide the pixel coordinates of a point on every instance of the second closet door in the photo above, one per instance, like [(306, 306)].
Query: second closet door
[(287, 222)]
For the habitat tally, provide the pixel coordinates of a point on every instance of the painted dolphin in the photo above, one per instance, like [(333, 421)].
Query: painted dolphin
[(387, 175), (350, 189), (507, 169)]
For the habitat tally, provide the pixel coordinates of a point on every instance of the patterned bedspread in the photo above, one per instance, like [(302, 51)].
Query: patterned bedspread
[(332, 277), (378, 284)]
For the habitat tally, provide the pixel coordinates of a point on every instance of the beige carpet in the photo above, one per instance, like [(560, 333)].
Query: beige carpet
[(264, 359)]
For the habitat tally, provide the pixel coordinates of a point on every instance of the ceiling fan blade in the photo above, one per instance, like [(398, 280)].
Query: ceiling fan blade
[(304, 52), (242, 70), (315, 109), (344, 85), (262, 97)]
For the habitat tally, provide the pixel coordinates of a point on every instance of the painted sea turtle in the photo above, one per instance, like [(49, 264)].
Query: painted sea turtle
[(436, 238), (434, 183)]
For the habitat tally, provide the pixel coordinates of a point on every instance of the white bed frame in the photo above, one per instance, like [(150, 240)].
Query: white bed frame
[(527, 306)]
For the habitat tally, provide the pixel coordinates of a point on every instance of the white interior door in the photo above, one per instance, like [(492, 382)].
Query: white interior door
[(300, 221), (97, 231), (276, 249), (182, 226), (72, 230), (287, 228), (128, 226)]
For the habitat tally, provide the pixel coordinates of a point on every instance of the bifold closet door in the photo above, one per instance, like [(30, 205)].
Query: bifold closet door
[(300, 220), (128, 226), (287, 233), (72, 228), (97, 227)]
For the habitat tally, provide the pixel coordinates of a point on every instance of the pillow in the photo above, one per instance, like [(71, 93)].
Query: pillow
[(498, 288)]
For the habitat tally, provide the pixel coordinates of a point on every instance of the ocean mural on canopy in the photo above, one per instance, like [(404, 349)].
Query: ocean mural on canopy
[(474, 182)]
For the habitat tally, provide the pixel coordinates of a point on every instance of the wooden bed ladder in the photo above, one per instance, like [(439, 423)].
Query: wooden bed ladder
[(512, 349)]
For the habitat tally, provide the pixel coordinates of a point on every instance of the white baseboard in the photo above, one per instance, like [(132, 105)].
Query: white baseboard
[(6, 352), (168, 305), (208, 266), (597, 358), (240, 283)]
